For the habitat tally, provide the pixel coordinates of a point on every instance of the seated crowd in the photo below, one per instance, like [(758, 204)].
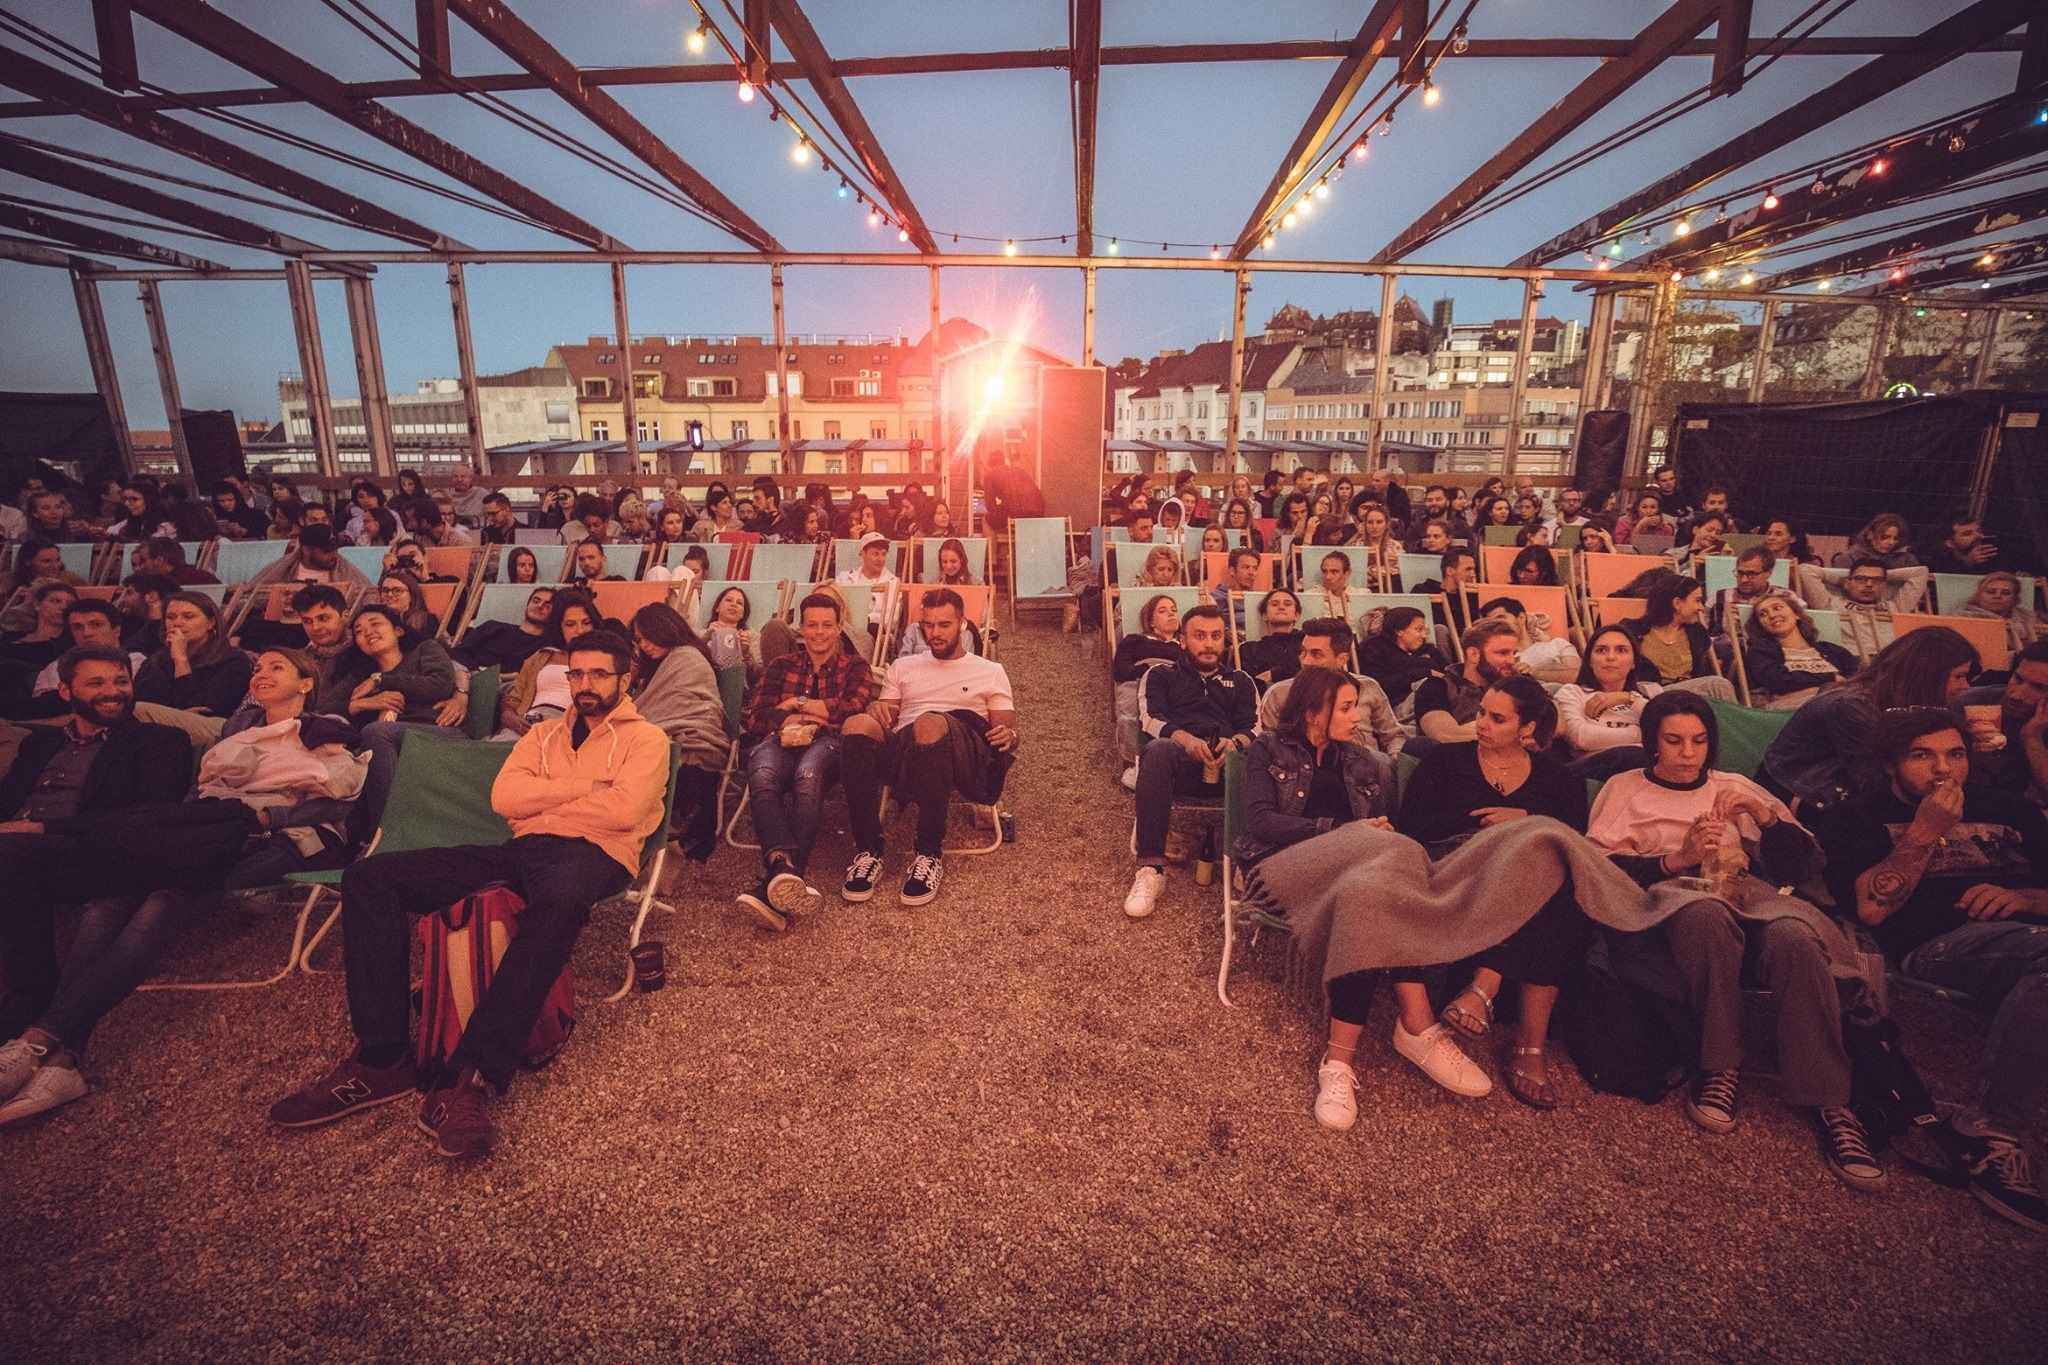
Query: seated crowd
[(1393, 766)]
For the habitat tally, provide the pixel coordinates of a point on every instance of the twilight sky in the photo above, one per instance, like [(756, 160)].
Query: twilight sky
[(1183, 153)]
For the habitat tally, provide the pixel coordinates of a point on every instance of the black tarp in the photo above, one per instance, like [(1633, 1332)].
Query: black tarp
[(1831, 467), (58, 427)]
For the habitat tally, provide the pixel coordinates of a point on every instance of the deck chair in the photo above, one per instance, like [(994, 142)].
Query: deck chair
[(1415, 566), (368, 560), (458, 562), (1308, 561), (743, 543), (1126, 559), (120, 562), (1252, 607), (237, 561), (1604, 574), (620, 600), (718, 557), (1719, 572), (1495, 561), (1496, 536), (1237, 915), (549, 561), (978, 600), (1953, 591), (440, 599), (1608, 610), (1215, 566), (732, 691), (1131, 604), (1746, 733), (1986, 633), (624, 560), (1037, 549), (922, 558), (764, 601), (500, 602), (798, 563)]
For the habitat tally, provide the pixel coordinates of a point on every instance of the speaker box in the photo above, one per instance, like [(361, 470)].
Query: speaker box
[(214, 441), (1603, 449), (1069, 457)]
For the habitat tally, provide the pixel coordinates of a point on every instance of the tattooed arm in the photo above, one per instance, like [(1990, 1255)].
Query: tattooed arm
[(1889, 884)]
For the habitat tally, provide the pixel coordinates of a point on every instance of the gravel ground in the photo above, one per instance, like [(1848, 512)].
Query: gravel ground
[(1010, 1125)]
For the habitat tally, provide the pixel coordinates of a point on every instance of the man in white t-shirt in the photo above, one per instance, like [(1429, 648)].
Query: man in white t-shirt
[(872, 572), (942, 722)]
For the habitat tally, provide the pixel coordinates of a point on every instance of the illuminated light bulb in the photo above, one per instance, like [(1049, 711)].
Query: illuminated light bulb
[(695, 42), (1360, 152), (1431, 96), (1461, 41), (1819, 186), (1713, 273), (1825, 285), (1010, 247), (1985, 285), (874, 218), (902, 234), (1614, 247), (1215, 253), (1678, 277), (1287, 219), (1322, 189), (1987, 259), (1770, 199), (1880, 166), (1682, 228), (1115, 247), (1898, 273), (1305, 207), (843, 190), (800, 151), (1268, 242), (1603, 264), (1748, 278), (1387, 123), (746, 92)]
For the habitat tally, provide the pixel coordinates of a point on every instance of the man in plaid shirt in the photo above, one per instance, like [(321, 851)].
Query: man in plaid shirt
[(792, 725)]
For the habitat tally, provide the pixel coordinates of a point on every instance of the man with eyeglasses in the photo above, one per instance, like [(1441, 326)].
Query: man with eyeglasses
[(1753, 569), (582, 792), (1861, 592)]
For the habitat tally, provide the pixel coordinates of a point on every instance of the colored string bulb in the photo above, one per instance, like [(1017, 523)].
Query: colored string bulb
[(746, 92)]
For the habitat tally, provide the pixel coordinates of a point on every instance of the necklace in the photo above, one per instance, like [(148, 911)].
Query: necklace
[(1497, 779)]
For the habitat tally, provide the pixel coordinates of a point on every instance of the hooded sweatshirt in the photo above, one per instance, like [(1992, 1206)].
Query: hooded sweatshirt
[(609, 790)]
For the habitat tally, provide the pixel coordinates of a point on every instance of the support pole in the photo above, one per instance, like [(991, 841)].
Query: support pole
[(1980, 373), (1087, 315), (376, 403), (1242, 291), (92, 322), (1531, 292), (1599, 340), (1766, 337), (166, 375), (1649, 368), (465, 356), (629, 411), (781, 372), (937, 447), (1382, 360), (1880, 339), (298, 283)]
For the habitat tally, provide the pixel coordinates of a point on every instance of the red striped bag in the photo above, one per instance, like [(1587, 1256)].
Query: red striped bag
[(463, 945)]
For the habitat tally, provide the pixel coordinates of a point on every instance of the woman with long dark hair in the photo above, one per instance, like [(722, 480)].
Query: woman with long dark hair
[(144, 518), (675, 686), (540, 691), (198, 670), (521, 565), (1600, 714), (1670, 639), (1238, 516), (1533, 566), (233, 514), (400, 591), (1399, 655)]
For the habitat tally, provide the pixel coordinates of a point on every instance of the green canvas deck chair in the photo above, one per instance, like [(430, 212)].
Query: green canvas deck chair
[(1237, 915), (1038, 563)]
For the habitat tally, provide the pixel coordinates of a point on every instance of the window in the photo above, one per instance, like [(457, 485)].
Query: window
[(835, 358), (914, 429), (649, 431), (652, 358), (842, 388), (713, 388), (739, 431), (878, 431), (870, 388), (600, 431), (597, 388), (831, 431), (834, 465), (647, 386), (608, 358)]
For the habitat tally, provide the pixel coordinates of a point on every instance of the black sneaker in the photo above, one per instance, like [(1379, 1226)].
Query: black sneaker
[(1846, 1149), (757, 904), (922, 885), (2001, 1177), (860, 877), (1711, 1104), (458, 1116), (348, 1087), (788, 892)]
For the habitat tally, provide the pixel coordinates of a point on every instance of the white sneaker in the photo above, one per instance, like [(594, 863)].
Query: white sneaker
[(18, 1061), (1336, 1095), (49, 1087), (1441, 1059), (1130, 778), (1145, 889)]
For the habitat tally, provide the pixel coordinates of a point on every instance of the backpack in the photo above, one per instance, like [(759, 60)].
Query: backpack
[(463, 945), (1885, 1091), (1621, 1037)]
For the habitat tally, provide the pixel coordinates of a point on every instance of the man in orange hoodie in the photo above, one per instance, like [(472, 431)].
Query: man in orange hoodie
[(582, 793)]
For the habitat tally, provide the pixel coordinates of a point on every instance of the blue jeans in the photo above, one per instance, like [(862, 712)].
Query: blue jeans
[(792, 828), (119, 942), (381, 739), (2002, 966)]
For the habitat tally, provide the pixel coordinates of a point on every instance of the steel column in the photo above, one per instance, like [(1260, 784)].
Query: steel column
[(92, 322), (465, 357), (1599, 340), (1980, 373), (298, 280), (1088, 315), (166, 375), (1243, 292), (629, 409), (1765, 337), (1383, 359), (1531, 292), (369, 348), (1881, 337), (1655, 338), (781, 372), (938, 442)]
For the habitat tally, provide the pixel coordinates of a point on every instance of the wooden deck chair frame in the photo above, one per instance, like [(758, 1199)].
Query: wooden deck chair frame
[(1732, 627), (243, 601)]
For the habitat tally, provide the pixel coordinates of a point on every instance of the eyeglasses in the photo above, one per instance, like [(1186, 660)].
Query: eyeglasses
[(596, 675)]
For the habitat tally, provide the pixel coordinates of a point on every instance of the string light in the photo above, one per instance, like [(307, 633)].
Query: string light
[(1898, 274), (1115, 247), (1431, 96), (902, 234), (843, 190), (1771, 198), (800, 150), (1305, 207), (874, 218), (1461, 41), (1361, 151), (1880, 166), (1713, 273), (1215, 253), (1614, 247), (1268, 242), (1682, 228), (695, 42), (1987, 259), (746, 92), (1678, 277), (1010, 247), (1603, 264), (1322, 189), (1825, 285), (1820, 184), (1287, 219), (1748, 278), (1386, 123)]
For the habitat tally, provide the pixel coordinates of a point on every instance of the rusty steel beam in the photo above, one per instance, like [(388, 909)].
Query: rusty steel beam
[(1971, 30), (224, 38), (1953, 151), (113, 29), (1731, 45), (430, 25), (25, 252), (1679, 24), (40, 223), (1084, 95), (71, 175), (816, 63), (2034, 56), (512, 36), (73, 96), (2027, 256), (1013, 59), (2017, 289), (1367, 47), (99, 354), (166, 374), (1997, 216), (757, 38)]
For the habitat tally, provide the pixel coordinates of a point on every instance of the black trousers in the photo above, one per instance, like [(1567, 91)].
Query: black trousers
[(928, 774), (41, 875), (560, 879), (1542, 952)]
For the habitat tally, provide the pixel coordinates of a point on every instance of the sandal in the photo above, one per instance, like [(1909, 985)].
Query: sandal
[(1537, 1093), (1466, 1021)]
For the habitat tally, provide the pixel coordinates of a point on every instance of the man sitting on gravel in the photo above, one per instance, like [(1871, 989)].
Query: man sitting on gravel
[(582, 793), (944, 722)]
